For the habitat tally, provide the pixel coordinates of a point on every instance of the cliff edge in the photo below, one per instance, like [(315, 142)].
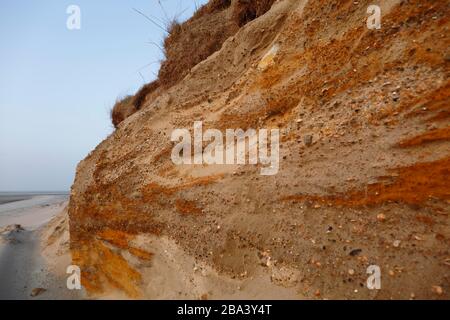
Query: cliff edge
[(363, 176)]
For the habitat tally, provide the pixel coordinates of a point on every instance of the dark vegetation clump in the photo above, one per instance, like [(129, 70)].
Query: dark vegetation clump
[(211, 7), (195, 40), (247, 10), (140, 96), (191, 42), (125, 107), (122, 109)]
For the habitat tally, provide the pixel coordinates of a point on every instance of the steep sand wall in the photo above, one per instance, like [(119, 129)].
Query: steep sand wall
[(370, 186)]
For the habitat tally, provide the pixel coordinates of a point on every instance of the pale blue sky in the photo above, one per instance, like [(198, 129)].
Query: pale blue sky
[(57, 86)]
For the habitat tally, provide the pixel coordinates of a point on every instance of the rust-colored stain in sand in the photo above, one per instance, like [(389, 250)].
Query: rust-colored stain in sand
[(441, 134), (414, 185), (112, 268), (187, 207)]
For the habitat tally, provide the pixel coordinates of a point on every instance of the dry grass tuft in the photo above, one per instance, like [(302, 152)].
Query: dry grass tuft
[(141, 95), (191, 42), (125, 107), (211, 7), (195, 40), (122, 109)]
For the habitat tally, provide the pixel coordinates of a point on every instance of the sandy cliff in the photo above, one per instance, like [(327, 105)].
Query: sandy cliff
[(364, 166)]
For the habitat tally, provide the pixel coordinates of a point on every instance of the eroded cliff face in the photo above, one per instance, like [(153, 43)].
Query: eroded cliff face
[(372, 188)]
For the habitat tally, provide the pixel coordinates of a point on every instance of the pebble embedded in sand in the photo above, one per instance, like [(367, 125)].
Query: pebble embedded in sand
[(37, 291), (355, 252), (308, 139), (437, 289)]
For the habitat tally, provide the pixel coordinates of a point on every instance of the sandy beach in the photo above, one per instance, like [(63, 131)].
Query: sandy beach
[(32, 261)]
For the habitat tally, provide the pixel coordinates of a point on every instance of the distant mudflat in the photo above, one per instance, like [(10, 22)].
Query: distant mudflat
[(7, 197)]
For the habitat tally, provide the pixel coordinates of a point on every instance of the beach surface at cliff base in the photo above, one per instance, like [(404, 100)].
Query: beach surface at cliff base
[(32, 260)]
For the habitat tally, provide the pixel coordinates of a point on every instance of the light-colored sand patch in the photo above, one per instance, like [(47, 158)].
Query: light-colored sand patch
[(174, 274), (31, 213)]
